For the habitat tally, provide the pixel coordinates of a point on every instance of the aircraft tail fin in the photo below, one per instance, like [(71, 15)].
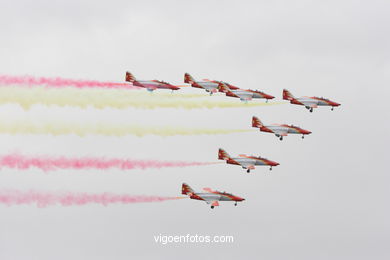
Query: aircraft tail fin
[(188, 78), (130, 77), (186, 189), (287, 95), (256, 122), (222, 154), (222, 87)]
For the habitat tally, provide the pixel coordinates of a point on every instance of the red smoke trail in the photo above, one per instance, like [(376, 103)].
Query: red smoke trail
[(47, 163), (60, 82), (44, 199)]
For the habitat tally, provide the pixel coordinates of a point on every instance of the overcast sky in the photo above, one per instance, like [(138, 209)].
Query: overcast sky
[(327, 200)]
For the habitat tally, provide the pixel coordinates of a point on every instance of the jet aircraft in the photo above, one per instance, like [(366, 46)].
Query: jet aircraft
[(243, 94), (309, 102), (279, 130), (150, 85), (210, 196), (208, 85), (247, 162)]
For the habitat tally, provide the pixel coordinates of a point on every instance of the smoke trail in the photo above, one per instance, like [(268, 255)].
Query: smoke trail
[(63, 128), (48, 163), (44, 199), (60, 82), (117, 98)]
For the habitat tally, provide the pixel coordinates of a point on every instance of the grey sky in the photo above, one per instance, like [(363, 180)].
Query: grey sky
[(327, 200)]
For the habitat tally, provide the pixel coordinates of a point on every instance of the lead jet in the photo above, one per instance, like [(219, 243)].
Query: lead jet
[(247, 162), (279, 130), (150, 85), (243, 94), (209, 85), (309, 102), (210, 196)]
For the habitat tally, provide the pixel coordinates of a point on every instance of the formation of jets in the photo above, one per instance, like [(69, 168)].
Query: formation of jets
[(245, 95), (247, 162)]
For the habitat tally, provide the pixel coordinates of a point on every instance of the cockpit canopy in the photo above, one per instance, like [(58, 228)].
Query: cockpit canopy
[(163, 82), (323, 98), (225, 193)]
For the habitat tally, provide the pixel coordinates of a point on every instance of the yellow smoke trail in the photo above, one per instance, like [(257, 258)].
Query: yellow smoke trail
[(63, 128), (117, 98)]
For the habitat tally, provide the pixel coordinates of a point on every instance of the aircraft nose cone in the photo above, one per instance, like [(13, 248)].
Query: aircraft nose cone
[(274, 163), (307, 132), (335, 104)]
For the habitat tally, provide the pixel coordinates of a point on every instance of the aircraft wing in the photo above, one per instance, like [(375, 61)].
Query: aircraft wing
[(208, 190), (281, 132), (247, 165), (312, 104), (211, 89), (213, 202), (244, 96)]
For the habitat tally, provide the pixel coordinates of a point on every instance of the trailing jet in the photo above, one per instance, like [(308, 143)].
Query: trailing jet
[(245, 161), (210, 196), (309, 102), (208, 85), (150, 85), (242, 94), (279, 130)]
